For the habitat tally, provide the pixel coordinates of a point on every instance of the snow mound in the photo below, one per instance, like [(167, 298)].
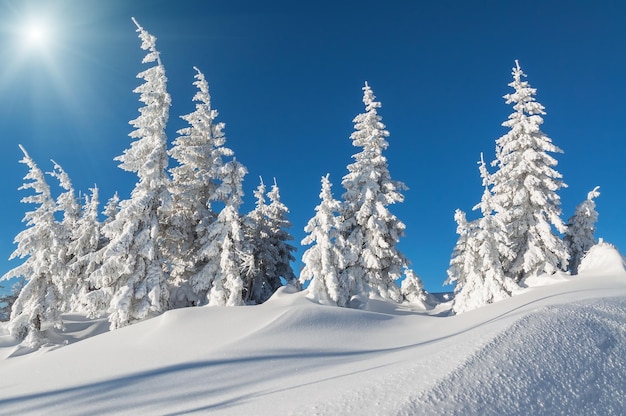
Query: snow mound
[(545, 279), (602, 258), (563, 359), (548, 350)]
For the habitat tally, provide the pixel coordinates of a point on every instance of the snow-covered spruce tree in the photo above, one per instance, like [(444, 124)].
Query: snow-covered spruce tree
[(323, 261), (66, 201), (484, 280), (370, 232), (199, 151), (581, 228), (110, 211), (85, 242), (39, 302), (266, 229), (257, 233), (70, 208), (95, 301), (224, 251), (412, 290), (525, 188), (458, 268), (132, 266), (279, 224)]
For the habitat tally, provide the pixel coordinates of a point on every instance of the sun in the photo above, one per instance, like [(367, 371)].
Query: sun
[(36, 33)]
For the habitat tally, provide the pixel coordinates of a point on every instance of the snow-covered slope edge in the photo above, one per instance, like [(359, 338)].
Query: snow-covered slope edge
[(560, 343), (567, 359)]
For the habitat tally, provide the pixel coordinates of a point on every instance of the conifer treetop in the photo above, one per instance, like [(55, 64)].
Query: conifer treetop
[(593, 193), (148, 43), (147, 155)]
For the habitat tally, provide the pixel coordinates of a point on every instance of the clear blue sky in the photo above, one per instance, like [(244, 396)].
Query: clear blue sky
[(286, 77)]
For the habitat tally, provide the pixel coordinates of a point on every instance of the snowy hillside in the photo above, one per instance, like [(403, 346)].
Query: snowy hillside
[(554, 349)]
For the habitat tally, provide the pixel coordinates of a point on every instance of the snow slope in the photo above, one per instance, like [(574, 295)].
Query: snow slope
[(554, 349)]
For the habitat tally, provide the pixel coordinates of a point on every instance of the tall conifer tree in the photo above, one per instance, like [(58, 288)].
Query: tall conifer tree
[(370, 232), (196, 185), (132, 267), (39, 302), (69, 207), (85, 243), (224, 250), (525, 188)]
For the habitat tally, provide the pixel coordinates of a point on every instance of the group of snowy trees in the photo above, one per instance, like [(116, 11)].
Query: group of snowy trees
[(179, 240), (354, 253), (516, 234)]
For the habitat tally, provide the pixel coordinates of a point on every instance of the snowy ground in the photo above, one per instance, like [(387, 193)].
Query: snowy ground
[(555, 349)]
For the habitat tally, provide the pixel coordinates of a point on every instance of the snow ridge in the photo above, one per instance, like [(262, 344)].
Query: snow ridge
[(560, 360)]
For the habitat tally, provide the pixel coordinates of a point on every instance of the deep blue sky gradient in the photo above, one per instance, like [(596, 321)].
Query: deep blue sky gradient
[(286, 77)]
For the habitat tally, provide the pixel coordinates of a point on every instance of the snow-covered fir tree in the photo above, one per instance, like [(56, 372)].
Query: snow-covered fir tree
[(457, 268), (370, 232), (323, 261), (581, 228), (86, 240), (257, 235), (200, 153), (66, 201), (39, 302), (266, 228), (525, 188), (92, 299), (224, 252), (95, 301), (413, 292), (69, 208), (483, 280), (277, 213), (110, 211), (133, 266)]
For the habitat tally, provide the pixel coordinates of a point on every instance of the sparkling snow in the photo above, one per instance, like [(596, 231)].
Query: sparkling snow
[(553, 349)]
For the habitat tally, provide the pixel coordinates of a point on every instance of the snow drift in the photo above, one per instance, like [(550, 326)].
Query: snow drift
[(555, 349)]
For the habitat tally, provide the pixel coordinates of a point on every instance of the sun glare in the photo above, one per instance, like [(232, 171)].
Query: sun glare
[(36, 34)]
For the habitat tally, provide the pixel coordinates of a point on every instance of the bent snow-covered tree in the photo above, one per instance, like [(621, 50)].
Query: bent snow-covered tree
[(195, 185), (132, 267), (370, 232), (323, 261), (525, 187), (39, 302), (581, 228)]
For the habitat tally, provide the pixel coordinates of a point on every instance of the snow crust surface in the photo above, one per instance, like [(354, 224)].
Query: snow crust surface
[(554, 349)]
